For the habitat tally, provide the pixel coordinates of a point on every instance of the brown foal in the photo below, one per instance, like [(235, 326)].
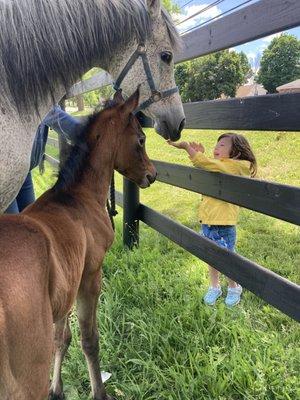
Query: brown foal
[(52, 253)]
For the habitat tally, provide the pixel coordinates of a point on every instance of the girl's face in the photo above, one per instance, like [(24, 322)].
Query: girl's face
[(223, 148)]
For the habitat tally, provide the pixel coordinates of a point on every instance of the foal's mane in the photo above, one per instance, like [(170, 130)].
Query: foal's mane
[(70, 171), (46, 43)]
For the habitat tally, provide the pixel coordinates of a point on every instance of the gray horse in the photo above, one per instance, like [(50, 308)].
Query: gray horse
[(46, 46)]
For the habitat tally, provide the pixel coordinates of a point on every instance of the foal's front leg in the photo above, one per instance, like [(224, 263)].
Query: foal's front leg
[(62, 340), (87, 301)]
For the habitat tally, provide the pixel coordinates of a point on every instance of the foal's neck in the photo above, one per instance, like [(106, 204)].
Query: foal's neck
[(97, 173)]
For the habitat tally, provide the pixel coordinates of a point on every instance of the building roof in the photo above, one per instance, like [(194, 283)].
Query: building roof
[(289, 86), (250, 90)]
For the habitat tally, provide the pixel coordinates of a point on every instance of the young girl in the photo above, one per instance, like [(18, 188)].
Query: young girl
[(232, 155)]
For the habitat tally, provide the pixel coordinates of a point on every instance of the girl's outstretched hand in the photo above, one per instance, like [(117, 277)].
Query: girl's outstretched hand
[(197, 147), (179, 145), (191, 148)]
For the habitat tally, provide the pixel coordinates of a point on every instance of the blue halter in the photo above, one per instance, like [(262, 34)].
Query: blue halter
[(156, 95)]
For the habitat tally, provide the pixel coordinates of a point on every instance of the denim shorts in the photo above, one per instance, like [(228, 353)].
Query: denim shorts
[(222, 235)]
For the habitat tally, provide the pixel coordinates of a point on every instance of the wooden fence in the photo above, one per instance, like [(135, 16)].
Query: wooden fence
[(270, 112)]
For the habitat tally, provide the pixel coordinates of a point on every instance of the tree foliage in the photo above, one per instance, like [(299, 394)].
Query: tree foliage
[(170, 6), (280, 62), (246, 67), (209, 77)]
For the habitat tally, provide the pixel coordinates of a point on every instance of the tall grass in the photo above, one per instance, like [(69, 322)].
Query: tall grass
[(157, 338)]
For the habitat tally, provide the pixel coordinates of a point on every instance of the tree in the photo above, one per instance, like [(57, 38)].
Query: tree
[(280, 62), (246, 67), (181, 77), (170, 6), (209, 77)]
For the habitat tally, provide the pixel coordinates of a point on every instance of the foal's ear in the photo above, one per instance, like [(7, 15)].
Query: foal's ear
[(118, 98), (154, 8), (132, 102)]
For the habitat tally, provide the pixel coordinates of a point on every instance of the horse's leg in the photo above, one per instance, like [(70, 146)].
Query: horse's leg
[(62, 340), (87, 300)]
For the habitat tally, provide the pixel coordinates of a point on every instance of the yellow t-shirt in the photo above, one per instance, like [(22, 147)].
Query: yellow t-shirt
[(214, 211)]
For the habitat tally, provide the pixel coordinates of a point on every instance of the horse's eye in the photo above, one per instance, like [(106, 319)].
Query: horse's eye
[(142, 141), (166, 57)]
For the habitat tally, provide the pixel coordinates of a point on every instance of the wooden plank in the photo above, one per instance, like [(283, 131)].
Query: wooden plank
[(276, 200), (53, 161), (270, 112), (52, 142), (275, 290), (269, 198), (249, 23), (95, 82), (119, 198)]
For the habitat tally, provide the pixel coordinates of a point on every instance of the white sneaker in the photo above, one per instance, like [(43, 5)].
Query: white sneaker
[(105, 376)]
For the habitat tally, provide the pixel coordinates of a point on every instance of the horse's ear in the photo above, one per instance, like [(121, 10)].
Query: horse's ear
[(118, 98), (132, 102), (154, 8)]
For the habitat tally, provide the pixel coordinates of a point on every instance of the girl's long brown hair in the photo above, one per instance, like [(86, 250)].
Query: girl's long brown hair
[(241, 150)]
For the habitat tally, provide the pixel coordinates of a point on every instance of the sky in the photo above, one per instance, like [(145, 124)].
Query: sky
[(253, 49)]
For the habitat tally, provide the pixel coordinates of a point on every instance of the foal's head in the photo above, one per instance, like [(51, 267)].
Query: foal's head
[(123, 131)]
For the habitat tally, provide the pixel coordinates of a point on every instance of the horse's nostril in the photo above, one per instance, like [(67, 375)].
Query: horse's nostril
[(151, 178), (181, 126)]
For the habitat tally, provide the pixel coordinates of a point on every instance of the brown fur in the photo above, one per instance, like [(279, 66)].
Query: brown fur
[(52, 254)]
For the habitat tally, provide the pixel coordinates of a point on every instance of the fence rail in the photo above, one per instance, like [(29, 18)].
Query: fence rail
[(53, 142), (269, 198), (275, 112), (252, 22), (276, 200)]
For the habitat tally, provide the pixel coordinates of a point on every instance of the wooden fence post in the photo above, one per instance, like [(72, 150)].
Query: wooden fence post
[(131, 201)]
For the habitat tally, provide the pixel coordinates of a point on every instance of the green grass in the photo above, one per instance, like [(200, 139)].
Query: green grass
[(157, 338)]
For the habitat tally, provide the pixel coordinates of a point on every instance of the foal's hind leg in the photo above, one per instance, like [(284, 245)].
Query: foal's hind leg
[(62, 339), (87, 300)]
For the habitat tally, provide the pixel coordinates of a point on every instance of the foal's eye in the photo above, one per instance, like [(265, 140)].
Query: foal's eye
[(166, 57), (142, 141)]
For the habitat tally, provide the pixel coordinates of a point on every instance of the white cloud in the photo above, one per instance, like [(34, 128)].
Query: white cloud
[(251, 55), (198, 19), (269, 38)]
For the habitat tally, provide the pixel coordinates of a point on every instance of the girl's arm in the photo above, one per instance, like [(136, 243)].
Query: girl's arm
[(210, 164), (191, 148), (225, 165), (196, 150)]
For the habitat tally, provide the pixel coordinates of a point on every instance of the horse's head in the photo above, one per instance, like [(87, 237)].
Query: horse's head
[(131, 159), (151, 65), (123, 128)]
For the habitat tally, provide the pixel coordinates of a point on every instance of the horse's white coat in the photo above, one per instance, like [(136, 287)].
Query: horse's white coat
[(17, 128)]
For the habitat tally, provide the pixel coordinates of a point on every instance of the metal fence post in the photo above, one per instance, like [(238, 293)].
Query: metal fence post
[(131, 201)]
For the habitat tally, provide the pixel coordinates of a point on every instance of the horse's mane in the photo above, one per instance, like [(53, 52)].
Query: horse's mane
[(46, 43)]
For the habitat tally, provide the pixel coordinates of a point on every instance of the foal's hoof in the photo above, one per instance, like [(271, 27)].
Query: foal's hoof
[(53, 396)]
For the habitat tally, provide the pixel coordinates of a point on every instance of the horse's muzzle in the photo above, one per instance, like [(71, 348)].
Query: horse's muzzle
[(170, 129)]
